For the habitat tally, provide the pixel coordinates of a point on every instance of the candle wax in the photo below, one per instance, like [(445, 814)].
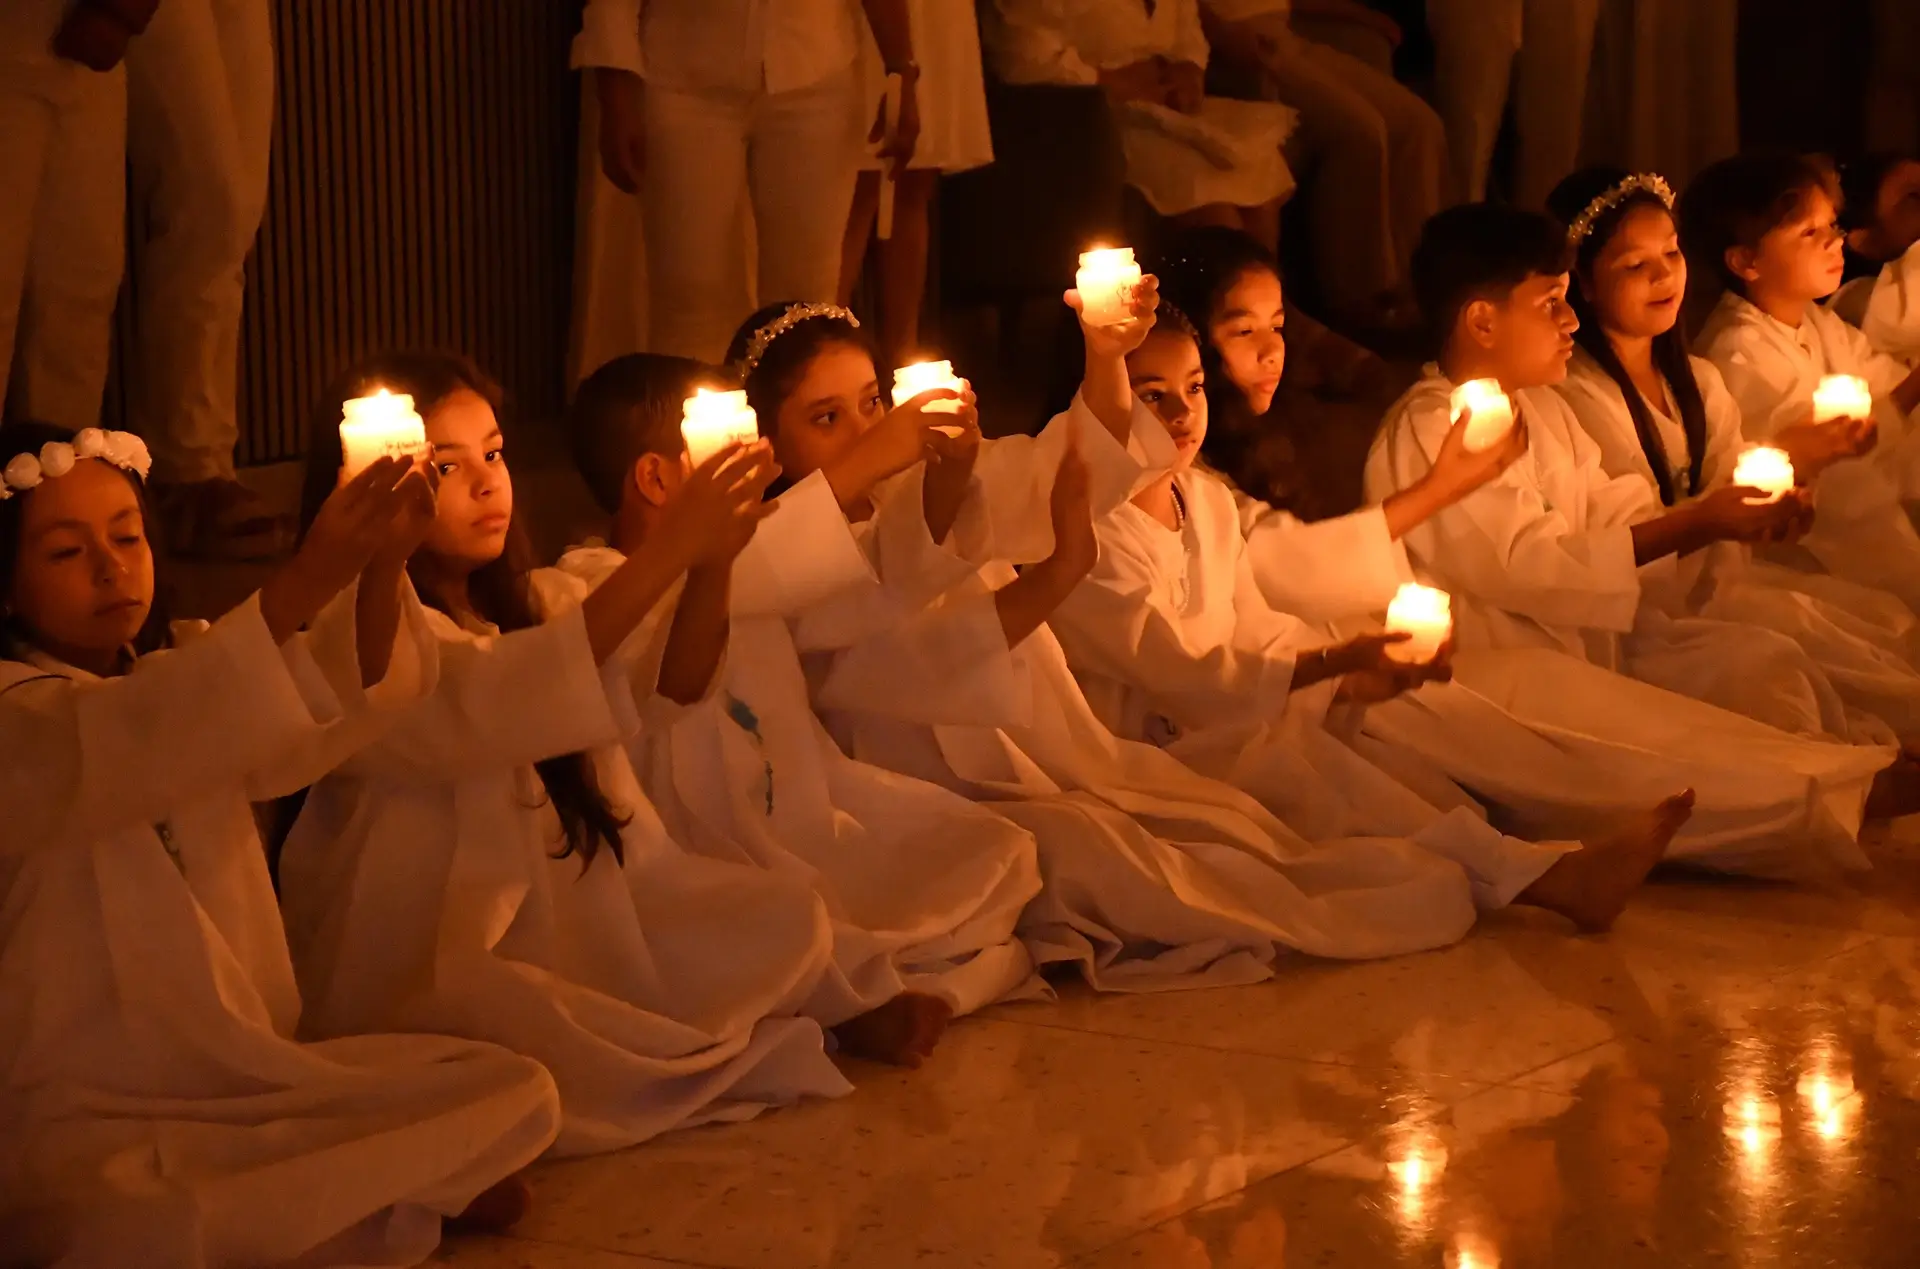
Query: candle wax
[(1842, 397), (923, 376), (1492, 413), (1106, 280), (378, 426), (710, 420), (1424, 613), (1766, 469)]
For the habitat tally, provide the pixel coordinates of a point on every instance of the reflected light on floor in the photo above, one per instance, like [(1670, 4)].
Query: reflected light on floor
[(1470, 1251), (1417, 1172), (1828, 1096)]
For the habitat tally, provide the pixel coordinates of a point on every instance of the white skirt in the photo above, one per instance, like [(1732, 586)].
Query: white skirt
[(954, 135)]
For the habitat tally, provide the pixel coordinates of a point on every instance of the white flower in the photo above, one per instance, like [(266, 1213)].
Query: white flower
[(56, 458), (22, 472), (90, 442), (124, 449)]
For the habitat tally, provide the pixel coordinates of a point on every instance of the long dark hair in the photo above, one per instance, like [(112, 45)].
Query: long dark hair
[(501, 592), (1570, 198), (27, 438)]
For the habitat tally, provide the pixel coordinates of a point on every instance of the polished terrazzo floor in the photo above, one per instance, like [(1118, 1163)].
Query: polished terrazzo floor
[(1731, 1078)]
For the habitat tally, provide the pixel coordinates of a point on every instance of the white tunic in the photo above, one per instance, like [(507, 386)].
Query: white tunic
[(156, 1110), (1859, 637), (1886, 307), (924, 888), (421, 893), (1228, 153), (1862, 531)]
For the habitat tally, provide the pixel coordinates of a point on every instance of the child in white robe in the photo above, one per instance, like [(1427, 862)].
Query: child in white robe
[(1554, 554), (924, 887), (1759, 230), (1880, 213), (490, 868), (1667, 419), (159, 1111)]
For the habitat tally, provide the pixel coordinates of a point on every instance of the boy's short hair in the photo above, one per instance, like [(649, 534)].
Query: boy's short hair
[(1480, 251), (630, 408), (1738, 201)]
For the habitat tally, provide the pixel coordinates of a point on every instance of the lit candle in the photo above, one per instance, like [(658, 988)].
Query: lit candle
[(924, 376), (709, 420), (1492, 413), (1842, 397), (1424, 613), (1106, 281), (1766, 469), (377, 426)]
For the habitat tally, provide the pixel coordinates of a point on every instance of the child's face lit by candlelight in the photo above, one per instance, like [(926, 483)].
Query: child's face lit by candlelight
[(1165, 374), (1801, 260), (475, 501), (1526, 339), (1249, 332), (1639, 276), (83, 581), (836, 400)]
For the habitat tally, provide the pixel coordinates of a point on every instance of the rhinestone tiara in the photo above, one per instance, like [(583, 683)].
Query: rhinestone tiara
[(795, 314), (1644, 182)]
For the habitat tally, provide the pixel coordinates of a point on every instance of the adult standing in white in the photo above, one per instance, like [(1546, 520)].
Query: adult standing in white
[(704, 101), (63, 116), (199, 132), (1539, 51)]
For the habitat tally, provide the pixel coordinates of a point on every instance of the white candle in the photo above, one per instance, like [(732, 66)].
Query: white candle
[(1424, 613), (1766, 469), (1492, 413), (1842, 397), (376, 426), (709, 420), (1106, 281), (924, 376)]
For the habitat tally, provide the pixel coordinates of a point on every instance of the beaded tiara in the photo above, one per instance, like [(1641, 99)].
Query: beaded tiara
[(56, 458), (1644, 182), (794, 314)]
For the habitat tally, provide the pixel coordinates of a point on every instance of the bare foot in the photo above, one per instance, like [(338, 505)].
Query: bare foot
[(495, 1209), (901, 1032), (1896, 790), (1590, 886)]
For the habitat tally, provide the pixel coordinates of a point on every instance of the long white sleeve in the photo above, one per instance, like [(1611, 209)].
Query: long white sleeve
[(610, 37), (801, 554), (1892, 319), (83, 757), (1326, 570)]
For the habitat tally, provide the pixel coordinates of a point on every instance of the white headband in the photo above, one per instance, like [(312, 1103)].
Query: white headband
[(794, 315), (56, 458), (1645, 182)]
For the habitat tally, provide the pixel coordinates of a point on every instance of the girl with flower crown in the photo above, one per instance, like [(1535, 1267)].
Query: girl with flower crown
[(489, 867), (159, 1110), (1667, 419)]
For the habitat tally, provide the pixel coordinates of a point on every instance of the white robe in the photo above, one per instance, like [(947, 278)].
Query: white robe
[(421, 893), (155, 1109), (1541, 568), (924, 888), (1862, 531), (1861, 638), (1886, 307)]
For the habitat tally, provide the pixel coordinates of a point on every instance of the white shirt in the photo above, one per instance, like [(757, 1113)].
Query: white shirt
[(775, 46)]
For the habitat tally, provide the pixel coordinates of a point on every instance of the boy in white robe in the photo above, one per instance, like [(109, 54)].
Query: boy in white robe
[(1761, 230), (924, 888), (490, 867), (159, 1110)]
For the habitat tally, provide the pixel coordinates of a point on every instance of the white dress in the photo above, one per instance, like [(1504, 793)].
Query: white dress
[(421, 893), (1886, 307), (154, 1108), (1541, 561), (1228, 153), (1862, 639), (954, 131), (1861, 530), (924, 888)]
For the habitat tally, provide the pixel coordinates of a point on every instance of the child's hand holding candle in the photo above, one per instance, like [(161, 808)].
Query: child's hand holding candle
[(1767, 469), (375, 426), (1492, 413), (710, 420), (1106, 281), (925, 376), (1423, 613)]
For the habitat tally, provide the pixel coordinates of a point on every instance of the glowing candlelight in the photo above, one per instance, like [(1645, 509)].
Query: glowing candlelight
[(1842, 397), (1492, 413), (1766, 469), (924, 376), (710, 420), (1424, 613), (376, 426), (1106, 281)]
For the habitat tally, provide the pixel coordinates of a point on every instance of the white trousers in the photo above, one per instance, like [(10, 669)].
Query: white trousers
[(200, 99), (62, 222), (796, 154), (1542, 50)]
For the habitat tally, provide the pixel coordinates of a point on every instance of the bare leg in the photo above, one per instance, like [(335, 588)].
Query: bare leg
[(903, 266), (1590, 886), (853, 251), (901, 1032)]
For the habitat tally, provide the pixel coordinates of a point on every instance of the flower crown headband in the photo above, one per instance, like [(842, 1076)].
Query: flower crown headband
[(56, 458), (763, 338), (1641, 183)]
